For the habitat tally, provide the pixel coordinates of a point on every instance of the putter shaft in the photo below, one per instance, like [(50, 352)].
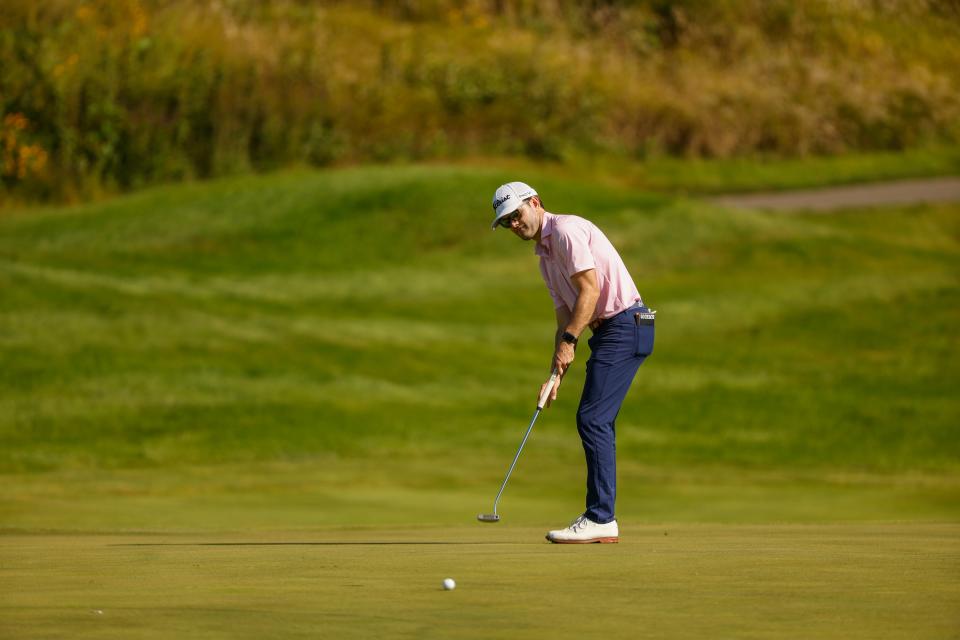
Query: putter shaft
[(494, 517), (515, 458)]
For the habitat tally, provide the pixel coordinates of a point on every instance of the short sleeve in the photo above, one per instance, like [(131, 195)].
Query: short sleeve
[(573, 245)]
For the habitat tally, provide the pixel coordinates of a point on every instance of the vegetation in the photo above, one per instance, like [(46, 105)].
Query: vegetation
[(118, 94), (370, 312)]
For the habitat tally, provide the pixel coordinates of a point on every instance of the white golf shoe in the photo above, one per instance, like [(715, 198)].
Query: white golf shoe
[(583, 531)]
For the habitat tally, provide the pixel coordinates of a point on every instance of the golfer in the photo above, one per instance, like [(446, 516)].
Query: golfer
[(590, 287)]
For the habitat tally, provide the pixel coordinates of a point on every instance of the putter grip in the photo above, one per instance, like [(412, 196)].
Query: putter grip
[(547, 389)]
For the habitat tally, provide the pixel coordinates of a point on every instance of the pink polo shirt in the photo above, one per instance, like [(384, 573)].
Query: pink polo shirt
[(569, 245)]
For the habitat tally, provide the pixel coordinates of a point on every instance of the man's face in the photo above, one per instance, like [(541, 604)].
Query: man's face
[(525, 222)]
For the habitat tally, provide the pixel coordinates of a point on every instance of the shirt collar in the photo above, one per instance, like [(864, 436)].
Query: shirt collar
[(542, 248)]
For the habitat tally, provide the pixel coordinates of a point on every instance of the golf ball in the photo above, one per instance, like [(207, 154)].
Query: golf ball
[(449, 584)]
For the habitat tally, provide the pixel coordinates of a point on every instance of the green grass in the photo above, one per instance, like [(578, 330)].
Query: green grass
[(693, 581), (728, 175), (352, 355), (363, 311)]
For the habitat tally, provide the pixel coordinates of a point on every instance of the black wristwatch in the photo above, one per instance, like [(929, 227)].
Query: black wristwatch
[(569, 337)]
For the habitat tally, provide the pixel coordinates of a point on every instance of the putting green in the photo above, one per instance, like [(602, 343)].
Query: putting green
[(663, 581)]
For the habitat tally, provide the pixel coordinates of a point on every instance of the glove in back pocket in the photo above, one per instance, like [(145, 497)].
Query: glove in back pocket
[(644, 322)]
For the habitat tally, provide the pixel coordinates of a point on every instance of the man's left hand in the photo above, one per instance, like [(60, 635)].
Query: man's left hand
[(563, 357)]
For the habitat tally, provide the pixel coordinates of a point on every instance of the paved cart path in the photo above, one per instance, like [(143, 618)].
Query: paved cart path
[(832, 198)]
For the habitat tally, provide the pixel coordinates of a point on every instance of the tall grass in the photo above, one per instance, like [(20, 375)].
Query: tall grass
[(122, 93)]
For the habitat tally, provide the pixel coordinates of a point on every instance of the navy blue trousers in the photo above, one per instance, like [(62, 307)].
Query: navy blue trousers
[(618, 348)]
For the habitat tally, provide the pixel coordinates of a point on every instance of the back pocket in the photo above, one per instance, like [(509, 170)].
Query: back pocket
[(643, 321)]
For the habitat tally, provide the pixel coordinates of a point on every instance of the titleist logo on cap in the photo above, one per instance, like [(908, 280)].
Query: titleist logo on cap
[(497, 203)]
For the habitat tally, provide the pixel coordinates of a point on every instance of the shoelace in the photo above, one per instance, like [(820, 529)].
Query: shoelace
[(579, 523)]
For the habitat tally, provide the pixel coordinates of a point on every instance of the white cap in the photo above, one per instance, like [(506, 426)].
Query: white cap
[(508, 199)]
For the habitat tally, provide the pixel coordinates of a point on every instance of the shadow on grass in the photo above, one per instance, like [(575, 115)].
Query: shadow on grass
[(290, 544)]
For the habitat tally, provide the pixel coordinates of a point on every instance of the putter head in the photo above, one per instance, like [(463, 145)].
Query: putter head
[(488, 517)]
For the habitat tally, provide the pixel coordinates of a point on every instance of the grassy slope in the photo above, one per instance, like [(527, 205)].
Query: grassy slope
[(751, 174), (365, 323)]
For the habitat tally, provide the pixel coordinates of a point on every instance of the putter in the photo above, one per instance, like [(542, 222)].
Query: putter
[(495, 517)]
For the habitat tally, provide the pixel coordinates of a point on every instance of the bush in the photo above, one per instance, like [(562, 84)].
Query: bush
[(121, 93)]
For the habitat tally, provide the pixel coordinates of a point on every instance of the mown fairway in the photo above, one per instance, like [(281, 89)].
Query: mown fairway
[(352, 356)]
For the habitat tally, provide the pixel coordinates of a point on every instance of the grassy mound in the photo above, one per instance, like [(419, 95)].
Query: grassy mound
[(371, 312)]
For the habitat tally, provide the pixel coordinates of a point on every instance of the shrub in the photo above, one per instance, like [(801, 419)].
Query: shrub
[(116, 94)]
